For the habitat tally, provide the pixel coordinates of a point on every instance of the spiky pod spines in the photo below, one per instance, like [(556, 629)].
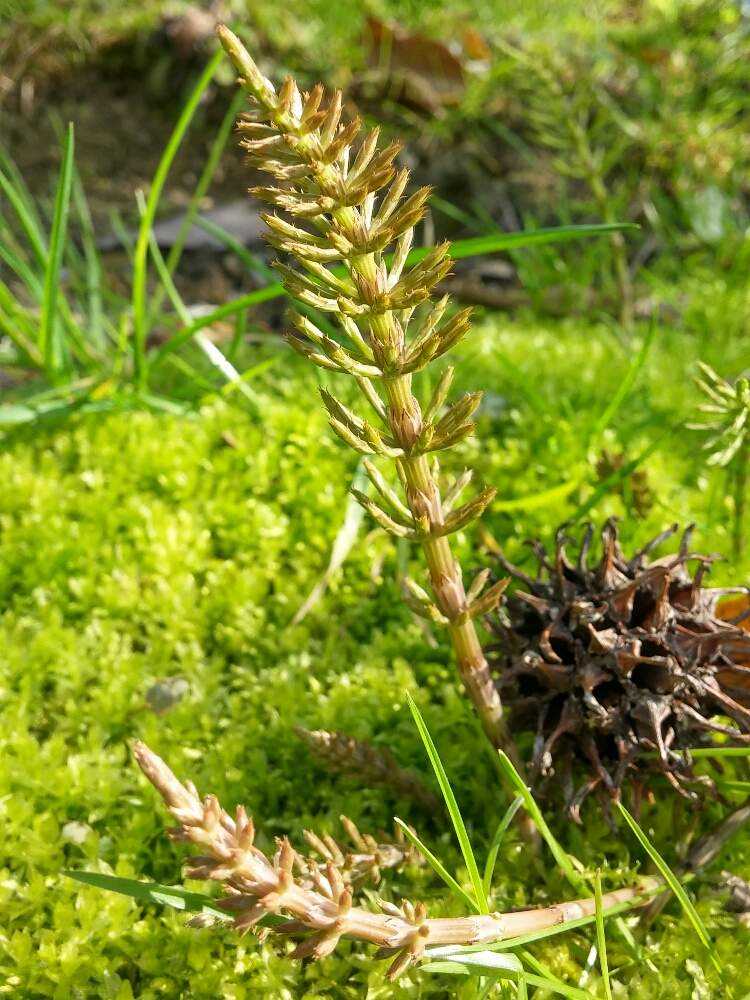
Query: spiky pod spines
[(317, 899), (347, 206), (623, 663)]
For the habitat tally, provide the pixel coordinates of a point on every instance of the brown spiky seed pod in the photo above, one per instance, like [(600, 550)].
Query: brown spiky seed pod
[(624, 663)]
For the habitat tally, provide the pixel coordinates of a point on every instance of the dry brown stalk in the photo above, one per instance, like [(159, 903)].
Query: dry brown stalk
[(359, 759), (347, 207), (319, 903)]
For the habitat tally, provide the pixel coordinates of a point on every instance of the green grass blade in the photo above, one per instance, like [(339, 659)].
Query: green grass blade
[(502, 828), (204, 181), (612, 482), (452, 805), (476, 246), (9, 167), (601, 941), (232, 308), (484, 966), (700, 752), (540, 968), (230, 373), (626, 384), (28, 222), (50, 345), (481, 962), (673, 882), (554, 986), (93, 266), (13, 322), (437, 866), (140, 257), (544, 498), (21, 269), (151, 892), (161, 268), (457, 213), (251, 261), (212, 352), (560, 856), (343, 544), (729, 785)]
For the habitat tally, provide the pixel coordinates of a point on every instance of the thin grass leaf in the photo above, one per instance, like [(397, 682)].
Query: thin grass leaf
[(601, 941), (561, 857), (540, 968), (140, 258), (536, 501), (482, 961), (612, 482), (211, 351), (51, 409), (465, 968), (699, 752), (50, 346), (476, 246), (28, 220), (151, 892), (673, 882), (456, 213), (626, 384), (452, 806), (10, 168), (343, 543), (459, 250), (20, 267), (729, 785), (250, 373), (232, 308), (230, 373), (437, 866), (11, 321), (252, 262), (93, 265), (502, 829), (204, 181), (163, 405)]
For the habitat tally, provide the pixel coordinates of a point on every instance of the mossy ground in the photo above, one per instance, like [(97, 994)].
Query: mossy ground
[(135, 548)]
